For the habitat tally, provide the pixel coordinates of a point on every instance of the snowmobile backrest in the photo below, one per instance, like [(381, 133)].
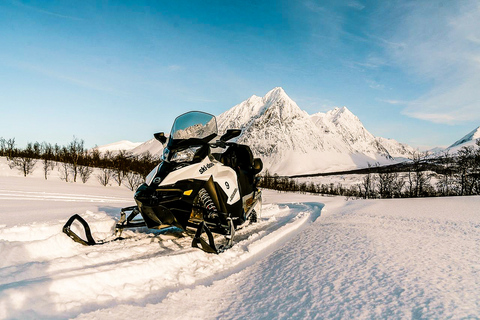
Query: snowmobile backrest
[(238, 156), (257, 165)]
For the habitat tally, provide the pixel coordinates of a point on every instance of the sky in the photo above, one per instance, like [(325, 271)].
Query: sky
[(105, 71)]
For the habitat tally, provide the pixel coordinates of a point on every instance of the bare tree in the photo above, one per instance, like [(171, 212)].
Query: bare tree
[(133, 180), (10, 148), (3, 146), (24, 160), (397, 186), (445, 183), (418, 178), (367, 187), (106, 171), (64, 168), (121, 166), (48, 157), (386, 182), (85, 172), (76, 151), (104, 176)]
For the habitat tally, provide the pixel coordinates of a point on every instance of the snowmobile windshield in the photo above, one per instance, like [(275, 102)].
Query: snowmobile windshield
[(194, 125)]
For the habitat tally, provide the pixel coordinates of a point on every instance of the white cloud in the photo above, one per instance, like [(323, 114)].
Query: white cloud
[(356, 5), (394, 102), (442, 45), (42, 11), (375, 85), (175, 67)]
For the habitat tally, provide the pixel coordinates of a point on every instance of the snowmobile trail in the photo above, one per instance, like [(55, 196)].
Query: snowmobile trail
[(57, 196), (53, 277)]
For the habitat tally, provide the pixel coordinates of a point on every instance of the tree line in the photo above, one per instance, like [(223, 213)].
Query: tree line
[(422, 176), (73, 161)]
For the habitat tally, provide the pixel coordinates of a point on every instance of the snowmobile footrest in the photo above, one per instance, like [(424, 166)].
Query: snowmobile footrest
[(88, 234), (207, 247)]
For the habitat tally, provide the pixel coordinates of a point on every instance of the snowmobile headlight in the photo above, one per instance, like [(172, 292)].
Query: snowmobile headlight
[(151, 175), (185, 155)]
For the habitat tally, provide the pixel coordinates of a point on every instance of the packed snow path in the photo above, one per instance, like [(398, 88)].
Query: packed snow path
[(395, 259), (44, 274), (408, 258)]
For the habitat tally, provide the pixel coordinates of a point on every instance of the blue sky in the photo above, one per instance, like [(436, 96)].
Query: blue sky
[(105, 71)]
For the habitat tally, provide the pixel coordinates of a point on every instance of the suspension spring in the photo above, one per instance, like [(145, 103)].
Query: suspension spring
[(207, 202)]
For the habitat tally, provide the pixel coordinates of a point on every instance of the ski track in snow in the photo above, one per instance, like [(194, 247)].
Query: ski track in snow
[(55, 196), (50, 276)]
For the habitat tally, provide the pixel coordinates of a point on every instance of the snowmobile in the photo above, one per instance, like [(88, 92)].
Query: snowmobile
[(210, 187)]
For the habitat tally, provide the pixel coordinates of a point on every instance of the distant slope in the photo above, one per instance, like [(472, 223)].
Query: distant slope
[(119, 145)]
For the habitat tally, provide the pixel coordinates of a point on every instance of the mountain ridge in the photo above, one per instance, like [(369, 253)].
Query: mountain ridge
[(291, 141)]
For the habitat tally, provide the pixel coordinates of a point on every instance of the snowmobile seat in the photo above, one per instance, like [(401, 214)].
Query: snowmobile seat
[(240, 158), (217, 156)]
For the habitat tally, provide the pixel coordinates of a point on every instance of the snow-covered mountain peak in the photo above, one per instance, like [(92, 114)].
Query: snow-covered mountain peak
[(342, 114), (470, 137), (276, 94), (278, 102)]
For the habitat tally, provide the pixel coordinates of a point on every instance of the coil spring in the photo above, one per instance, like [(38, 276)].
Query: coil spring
[(207, 201)]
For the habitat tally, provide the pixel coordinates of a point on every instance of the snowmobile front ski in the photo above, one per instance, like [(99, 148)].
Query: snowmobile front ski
[(88, 234), (210, 246), (124, 223)]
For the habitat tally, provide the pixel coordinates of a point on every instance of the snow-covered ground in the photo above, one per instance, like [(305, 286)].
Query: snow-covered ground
[(308, 257)]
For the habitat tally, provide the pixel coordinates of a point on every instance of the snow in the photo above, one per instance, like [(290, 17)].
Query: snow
[(469, 139), (308, 257), (119, 145)]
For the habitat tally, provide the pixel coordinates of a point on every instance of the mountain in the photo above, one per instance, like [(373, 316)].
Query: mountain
[(469, 139), (119, 145), (290, 141)]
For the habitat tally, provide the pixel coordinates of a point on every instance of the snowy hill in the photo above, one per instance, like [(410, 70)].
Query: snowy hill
[(291, 141), (153, 146), (117, 146)]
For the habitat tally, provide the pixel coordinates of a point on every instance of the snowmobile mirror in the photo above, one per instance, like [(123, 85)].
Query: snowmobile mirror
[(230, 134), (257, 165), (160, 136)]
